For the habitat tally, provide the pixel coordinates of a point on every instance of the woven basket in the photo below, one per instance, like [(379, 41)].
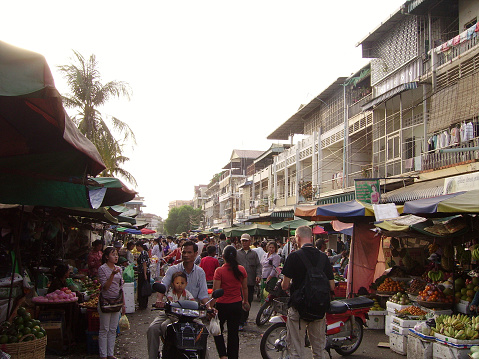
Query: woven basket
[(33, 349)]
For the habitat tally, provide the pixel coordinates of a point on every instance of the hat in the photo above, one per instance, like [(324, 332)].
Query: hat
[(122, 260), (118, 244), (245, 237)]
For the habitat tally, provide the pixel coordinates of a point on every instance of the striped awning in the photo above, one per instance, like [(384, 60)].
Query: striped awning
[(387, 95), (415, 191), (283, 212)]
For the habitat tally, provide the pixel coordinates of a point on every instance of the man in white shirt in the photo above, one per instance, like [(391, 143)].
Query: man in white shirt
[(259, 249)]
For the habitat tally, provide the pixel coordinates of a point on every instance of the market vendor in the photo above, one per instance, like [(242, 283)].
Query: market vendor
[(62, 272), (94, 258)]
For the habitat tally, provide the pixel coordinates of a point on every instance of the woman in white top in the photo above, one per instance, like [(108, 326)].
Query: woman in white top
[(110, 277)]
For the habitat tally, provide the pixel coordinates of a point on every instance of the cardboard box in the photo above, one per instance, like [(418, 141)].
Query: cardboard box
[(442, 351), (54, 336), (418, 348), (376, 319), (398, 343)]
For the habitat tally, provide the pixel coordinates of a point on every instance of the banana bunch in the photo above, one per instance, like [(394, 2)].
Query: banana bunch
[(435, 276), (433, 248), (458, 326), (475, 252)]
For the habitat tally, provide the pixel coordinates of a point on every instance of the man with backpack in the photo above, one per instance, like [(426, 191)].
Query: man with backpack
[(311, 277)]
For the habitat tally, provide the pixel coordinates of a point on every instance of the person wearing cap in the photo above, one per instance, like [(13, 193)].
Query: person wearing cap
[(250, 261)]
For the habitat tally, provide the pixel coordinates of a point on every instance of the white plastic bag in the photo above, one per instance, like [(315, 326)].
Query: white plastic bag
[(124, 323), (215, 329)]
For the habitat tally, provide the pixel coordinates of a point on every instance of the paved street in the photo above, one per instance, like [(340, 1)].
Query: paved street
[(132, 344)]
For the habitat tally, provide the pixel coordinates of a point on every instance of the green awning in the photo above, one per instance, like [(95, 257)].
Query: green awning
[(292, 224)]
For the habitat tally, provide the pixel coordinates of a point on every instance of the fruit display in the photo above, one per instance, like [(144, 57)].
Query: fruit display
[(474, 352), (390, 285), (20, 326), (63, 295), (435, 275), (432, 293), (475, 252), (91, 286), (416, 286), (458, 326), (92, 303), (466, 289), (412, 310), (376, 307), (400, 298), (339, 278)]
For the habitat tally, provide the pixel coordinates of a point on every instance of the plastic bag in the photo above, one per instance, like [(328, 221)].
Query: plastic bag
[(124, 323), (129, 274), (214, 328)]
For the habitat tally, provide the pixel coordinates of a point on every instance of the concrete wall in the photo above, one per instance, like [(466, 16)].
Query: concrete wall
[(468, 10)]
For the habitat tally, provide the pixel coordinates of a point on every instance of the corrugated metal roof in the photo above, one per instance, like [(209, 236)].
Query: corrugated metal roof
[(415, 191), (295, 124)]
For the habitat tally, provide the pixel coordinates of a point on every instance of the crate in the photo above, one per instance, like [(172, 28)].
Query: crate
[(93, 318), (455, 342), (443, 351), (92, 342), (396, 329), (418, 348), (393, 307), (404, 323), (54, 336), (376, 319), (398, 343), (340, 290)]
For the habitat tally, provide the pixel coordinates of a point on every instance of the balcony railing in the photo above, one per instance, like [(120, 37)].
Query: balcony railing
[(451, 53), (436, 160), (355, 108)]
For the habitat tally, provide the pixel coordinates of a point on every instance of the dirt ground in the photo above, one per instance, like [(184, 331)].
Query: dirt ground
[(131, 344)]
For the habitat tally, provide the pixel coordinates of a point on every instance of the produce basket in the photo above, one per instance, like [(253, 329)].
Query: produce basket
[(33, 349), (439, 305), (280, 305)]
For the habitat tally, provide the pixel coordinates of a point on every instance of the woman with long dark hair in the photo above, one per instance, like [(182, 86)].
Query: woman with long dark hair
[(232, 278), (110, 277)]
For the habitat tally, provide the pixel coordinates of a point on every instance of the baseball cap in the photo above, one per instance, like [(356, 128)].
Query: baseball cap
[(245, 237), (118, 244)]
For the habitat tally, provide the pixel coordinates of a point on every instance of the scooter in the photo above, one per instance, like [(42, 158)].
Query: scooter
[(267, 309), (344, 332), (185, 339)]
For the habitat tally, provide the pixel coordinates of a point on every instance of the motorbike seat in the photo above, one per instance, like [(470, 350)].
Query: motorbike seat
[(337, 307), (359, 302)]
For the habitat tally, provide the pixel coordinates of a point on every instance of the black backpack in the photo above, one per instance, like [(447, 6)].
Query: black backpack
[(312, 300)]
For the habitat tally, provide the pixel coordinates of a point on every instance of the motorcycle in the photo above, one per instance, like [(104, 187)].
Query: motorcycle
[(267, 309), (344, 332), (185, 338)]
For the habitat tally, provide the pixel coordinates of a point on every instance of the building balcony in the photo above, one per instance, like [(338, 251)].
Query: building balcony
[(438, 160), (447, 52)]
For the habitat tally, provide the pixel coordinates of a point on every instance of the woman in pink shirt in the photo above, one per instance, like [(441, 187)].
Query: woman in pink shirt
[(232, 278)]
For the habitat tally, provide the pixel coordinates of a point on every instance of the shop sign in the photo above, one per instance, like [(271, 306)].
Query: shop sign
[(367, 190), (467, 182), (385, 211)]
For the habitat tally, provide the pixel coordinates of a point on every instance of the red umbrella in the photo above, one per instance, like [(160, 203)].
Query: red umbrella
[(147, 231), (319, 230)]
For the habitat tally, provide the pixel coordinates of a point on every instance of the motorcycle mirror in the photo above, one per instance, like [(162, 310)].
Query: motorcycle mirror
[(218, 293), (158, 287)]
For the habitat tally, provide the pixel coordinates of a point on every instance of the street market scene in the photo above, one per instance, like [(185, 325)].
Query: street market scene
[(348, 227)]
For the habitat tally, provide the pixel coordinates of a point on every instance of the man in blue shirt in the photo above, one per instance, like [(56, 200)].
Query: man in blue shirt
[(196, 286)]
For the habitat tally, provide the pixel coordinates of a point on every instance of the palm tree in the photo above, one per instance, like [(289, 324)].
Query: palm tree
[(88, 93)]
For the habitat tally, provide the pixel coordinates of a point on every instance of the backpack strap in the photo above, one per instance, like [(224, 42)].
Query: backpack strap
[(306, 260)]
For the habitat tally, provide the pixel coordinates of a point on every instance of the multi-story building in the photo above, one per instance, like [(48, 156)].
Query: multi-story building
[(200, 197), (178, 203), (409, 119)]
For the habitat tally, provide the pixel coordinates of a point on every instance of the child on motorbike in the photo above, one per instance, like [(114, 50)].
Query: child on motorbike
[(176, 292)]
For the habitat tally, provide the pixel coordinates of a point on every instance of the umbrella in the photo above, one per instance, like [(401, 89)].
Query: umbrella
[(147, 231), (319, 230), (132, 231), (37, 138), (459, 202), (291, 224), (109, 191), (350, 209), (252, 230)]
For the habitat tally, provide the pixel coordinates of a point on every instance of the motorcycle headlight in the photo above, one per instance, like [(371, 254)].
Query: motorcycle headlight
[(187, 312)]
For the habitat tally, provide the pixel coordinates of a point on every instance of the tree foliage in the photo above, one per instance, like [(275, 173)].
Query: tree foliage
[(182, 219), (88, 94)]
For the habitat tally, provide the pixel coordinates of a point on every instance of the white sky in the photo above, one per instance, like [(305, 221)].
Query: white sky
[(207, 76)]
